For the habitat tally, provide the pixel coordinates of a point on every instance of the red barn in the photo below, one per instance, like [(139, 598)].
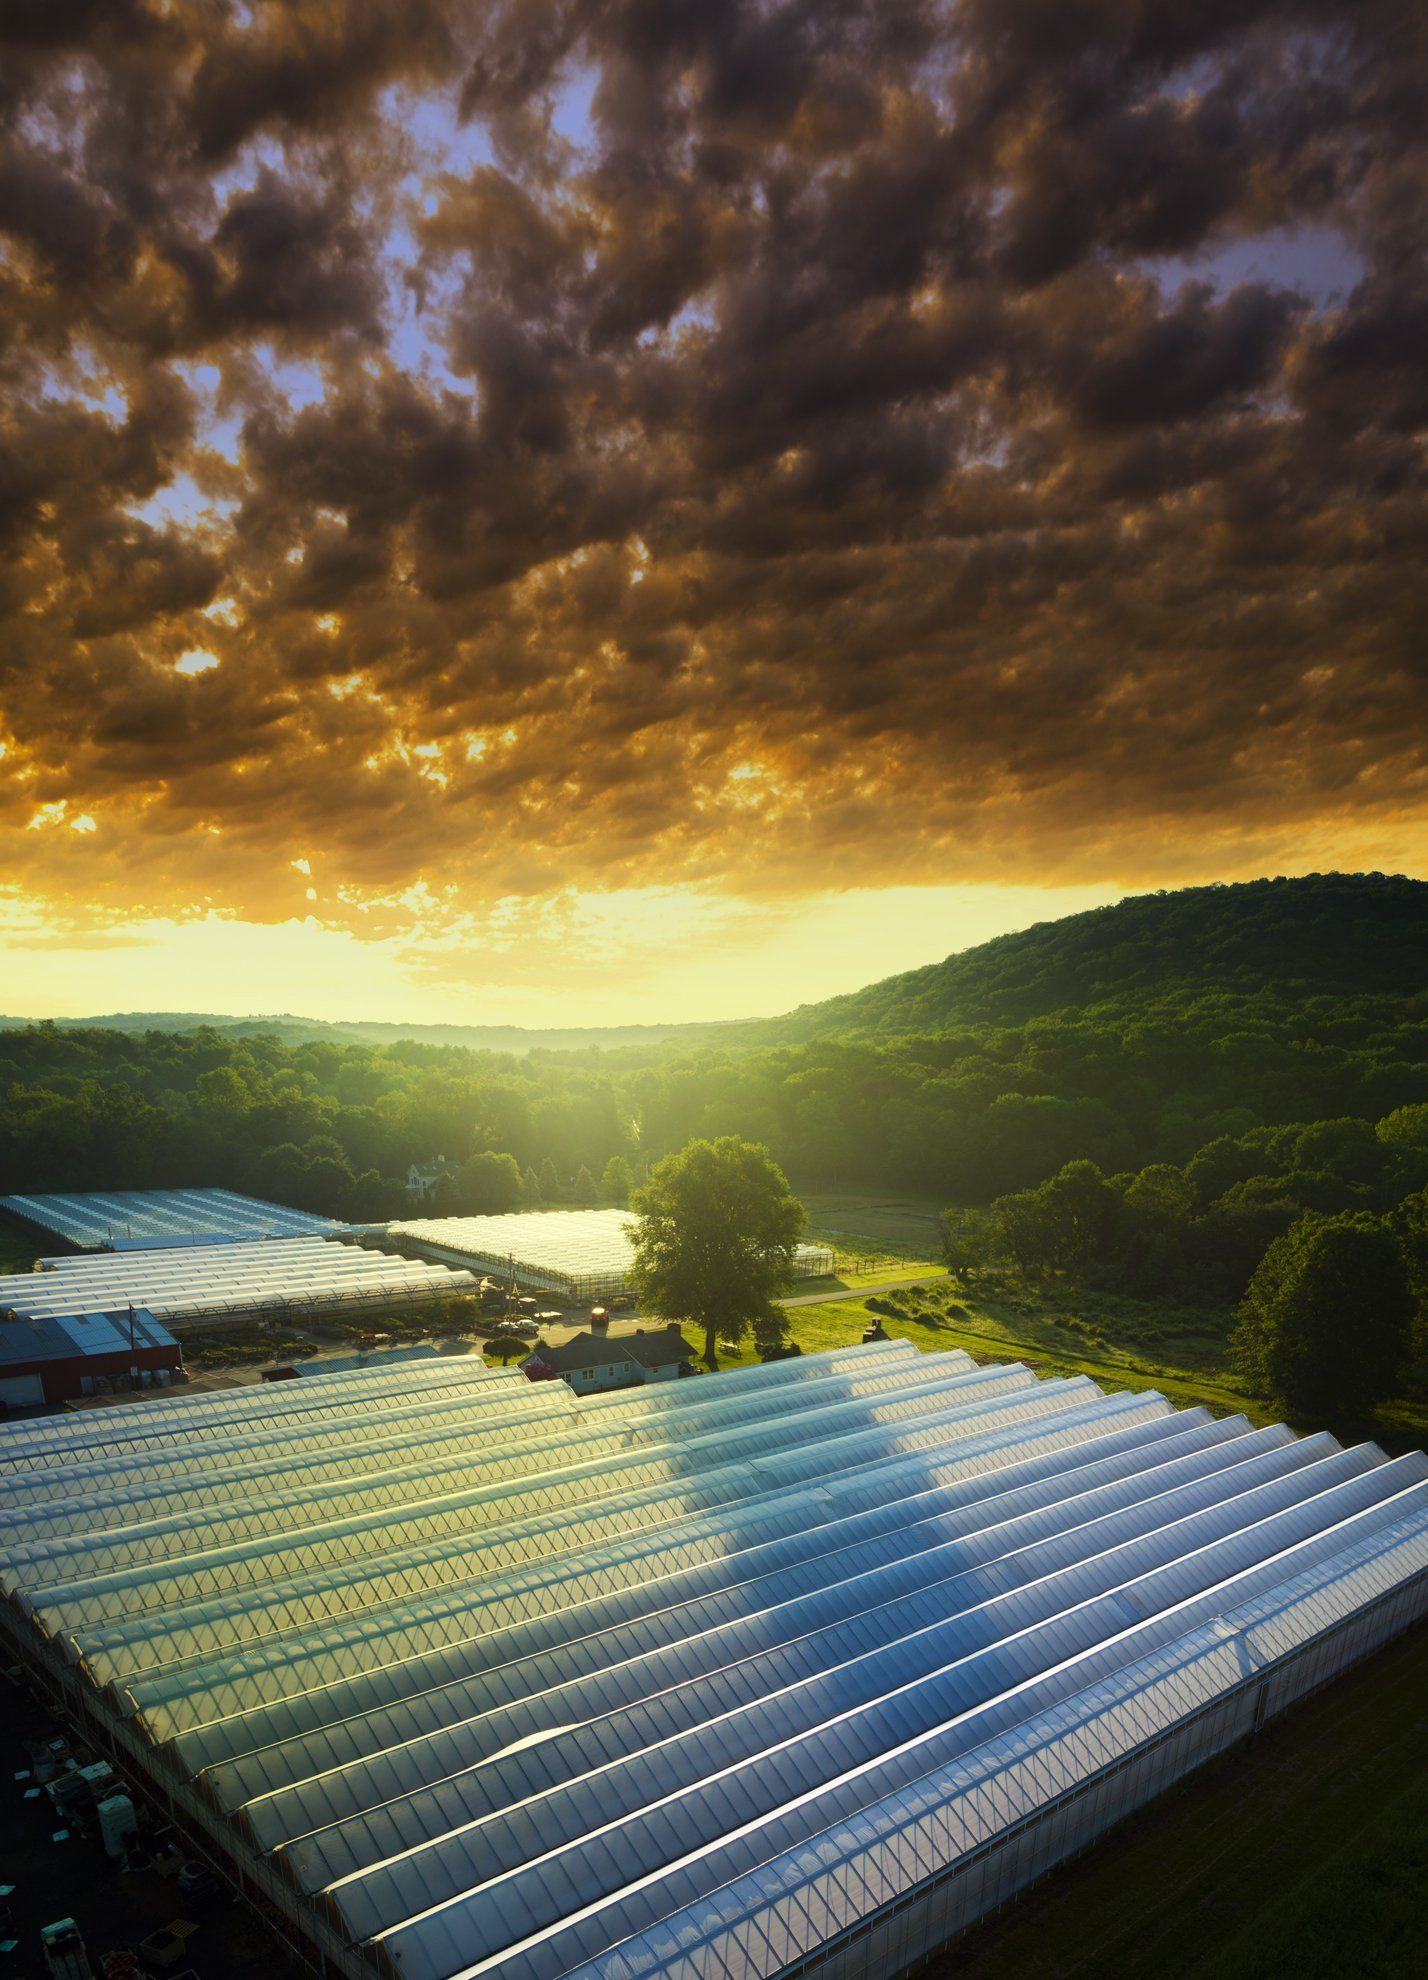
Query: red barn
[(54, 1361)]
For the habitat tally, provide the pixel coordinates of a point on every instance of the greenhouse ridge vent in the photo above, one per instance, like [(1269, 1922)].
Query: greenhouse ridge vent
[(799, 1668)]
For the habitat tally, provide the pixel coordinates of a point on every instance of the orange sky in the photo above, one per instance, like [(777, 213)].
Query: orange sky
[(531, 511)]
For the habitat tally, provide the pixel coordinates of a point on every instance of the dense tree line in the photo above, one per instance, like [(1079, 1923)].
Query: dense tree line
[(1318, 1231), (322, 1127), (1208, 1222), (968, 1116), (972, 1114)]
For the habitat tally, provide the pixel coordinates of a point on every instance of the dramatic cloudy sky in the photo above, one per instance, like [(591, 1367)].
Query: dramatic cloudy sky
[(549, 508)]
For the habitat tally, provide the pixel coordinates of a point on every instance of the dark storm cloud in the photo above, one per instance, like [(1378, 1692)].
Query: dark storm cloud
[(615, 440)]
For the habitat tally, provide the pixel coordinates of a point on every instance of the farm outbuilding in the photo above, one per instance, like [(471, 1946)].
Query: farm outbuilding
[(796, 1669), (600, 1360), (210, 1284), (136, 1218), (581, 1254), (49, 1361)]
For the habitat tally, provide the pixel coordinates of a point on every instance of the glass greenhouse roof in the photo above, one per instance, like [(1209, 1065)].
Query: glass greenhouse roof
[(587, 1253), (211, 1282), (475, 1676), (160, 1216)]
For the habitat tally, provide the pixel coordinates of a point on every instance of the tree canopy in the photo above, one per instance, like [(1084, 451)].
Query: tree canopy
[(1325, 1322), (715, 1231)]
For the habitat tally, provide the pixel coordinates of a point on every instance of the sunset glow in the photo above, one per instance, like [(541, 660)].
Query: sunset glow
[(551, 513)]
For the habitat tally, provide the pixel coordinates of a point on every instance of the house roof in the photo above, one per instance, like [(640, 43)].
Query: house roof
[(50, 1339), (585, 1351), (656, 1349)]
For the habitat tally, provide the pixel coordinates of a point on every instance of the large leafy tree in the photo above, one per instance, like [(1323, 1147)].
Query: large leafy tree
[(1064, 1225), (1325, 1322), (504, 1346), (714, 1233)]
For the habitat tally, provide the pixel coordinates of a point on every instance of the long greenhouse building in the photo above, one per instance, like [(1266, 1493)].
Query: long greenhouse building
[(797, 1669), (577, 1254), (214, 1285)]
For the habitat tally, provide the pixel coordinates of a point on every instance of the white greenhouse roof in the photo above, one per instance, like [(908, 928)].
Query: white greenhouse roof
[(574, 1250), (209, 1283), (474, 1676), (93, 1218)]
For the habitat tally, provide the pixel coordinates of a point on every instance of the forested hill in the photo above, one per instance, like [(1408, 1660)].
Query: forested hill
[(1336, 935), (1327, 935)]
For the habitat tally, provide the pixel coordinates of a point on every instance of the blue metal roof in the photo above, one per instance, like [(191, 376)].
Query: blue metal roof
[(24, 1341)]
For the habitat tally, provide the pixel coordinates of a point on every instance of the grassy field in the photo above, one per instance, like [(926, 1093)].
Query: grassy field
[(904, 1225), (1176, 1346), (1304, 1852), (858, 1272), (1119, 1343)]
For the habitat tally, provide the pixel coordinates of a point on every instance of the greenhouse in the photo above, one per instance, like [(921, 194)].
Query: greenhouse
[(138, 1217), (582, 1254), (211, 1284), (800, 1668)]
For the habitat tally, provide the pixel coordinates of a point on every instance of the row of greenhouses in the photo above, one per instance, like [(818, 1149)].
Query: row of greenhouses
[(119, 1219), (582, 1254), (799, 1668), (212, 1283)]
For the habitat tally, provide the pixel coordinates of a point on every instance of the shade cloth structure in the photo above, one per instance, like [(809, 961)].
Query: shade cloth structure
[(795, 1668), (141, 1217), (581, 1254), (208, 1284)]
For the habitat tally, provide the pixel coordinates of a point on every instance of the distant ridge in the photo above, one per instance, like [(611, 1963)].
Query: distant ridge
[(294, 1030), (1322, 936)]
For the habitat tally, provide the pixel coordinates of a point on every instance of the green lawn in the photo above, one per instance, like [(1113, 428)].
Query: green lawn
[(1119, 1343), (853, 1274), (1304, 1853), (855, 1221), (1179, 1346)]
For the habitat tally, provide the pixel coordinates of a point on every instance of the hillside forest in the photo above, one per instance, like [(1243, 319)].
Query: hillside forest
[(1146, 1111)]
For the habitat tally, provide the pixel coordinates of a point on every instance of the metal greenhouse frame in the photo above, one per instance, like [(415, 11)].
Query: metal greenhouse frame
[(211, 1285), (794, 1670)]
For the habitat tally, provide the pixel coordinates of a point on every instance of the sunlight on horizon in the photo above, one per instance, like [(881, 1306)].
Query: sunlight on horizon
[(645, 956)]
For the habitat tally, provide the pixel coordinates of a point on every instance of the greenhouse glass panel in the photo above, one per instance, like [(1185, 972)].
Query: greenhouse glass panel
[(804, 1664)]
